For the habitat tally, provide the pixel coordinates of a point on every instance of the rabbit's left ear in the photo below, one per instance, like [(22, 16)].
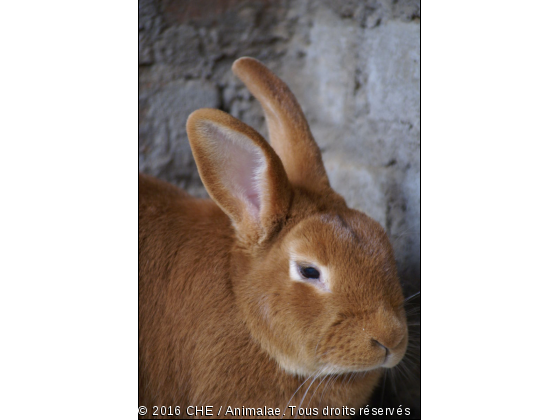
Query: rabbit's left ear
[(240, 171), (289, 132)]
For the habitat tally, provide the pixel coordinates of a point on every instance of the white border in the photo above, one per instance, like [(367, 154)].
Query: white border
[(490, 209), (68, 288)]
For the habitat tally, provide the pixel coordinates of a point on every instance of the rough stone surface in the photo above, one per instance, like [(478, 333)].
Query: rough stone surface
[(353, 65)]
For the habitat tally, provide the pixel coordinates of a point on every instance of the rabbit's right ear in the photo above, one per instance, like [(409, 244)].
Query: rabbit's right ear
[(240, 171)]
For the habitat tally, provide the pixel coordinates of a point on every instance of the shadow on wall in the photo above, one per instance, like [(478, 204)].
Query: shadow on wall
[(354, 67)]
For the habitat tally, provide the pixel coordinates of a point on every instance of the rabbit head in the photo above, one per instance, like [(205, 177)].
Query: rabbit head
[(315, 281)]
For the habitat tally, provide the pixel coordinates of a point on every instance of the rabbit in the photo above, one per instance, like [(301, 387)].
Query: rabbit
[(273, 293)]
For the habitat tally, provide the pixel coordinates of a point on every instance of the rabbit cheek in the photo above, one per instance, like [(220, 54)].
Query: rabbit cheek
[(300, 330)]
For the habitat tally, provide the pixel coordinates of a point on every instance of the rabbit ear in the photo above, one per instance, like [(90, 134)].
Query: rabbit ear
[(289, 132), (240, 171)]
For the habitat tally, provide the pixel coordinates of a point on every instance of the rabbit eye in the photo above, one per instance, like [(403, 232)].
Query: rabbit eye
[(309, 272)]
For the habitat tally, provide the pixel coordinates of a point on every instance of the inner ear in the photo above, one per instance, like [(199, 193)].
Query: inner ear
[(240, 166)]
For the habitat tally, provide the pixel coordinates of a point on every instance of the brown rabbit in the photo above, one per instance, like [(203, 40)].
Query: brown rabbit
[(274, 293)]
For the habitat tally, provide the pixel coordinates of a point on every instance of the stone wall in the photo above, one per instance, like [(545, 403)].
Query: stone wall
[(354, 67)]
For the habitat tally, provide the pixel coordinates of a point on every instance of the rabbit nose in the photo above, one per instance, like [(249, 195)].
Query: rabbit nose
[(375, 343)]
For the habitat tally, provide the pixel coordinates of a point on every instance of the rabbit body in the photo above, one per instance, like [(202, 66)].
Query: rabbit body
[(274, 293), (194, 346)]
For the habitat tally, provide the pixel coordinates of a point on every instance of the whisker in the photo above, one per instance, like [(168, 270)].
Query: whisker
[(383, 387), (397, 236), (405, 370), (415, 360), (316, 389), (412, 296), (332, 376), (318, 341), (414, 310), (293, 395), (307, 390), (353, 377), (348, 379), (393, 382)]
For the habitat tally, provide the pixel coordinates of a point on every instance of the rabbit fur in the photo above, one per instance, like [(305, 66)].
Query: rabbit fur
[(272, 293)]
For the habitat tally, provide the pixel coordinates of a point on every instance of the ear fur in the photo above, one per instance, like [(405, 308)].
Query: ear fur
[(289, 132), (240, 171)]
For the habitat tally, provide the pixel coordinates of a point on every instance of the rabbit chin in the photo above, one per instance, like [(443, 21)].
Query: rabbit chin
[(322, 368)]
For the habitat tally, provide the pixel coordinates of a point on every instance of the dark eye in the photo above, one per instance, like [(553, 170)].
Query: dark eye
[(309, 272)]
